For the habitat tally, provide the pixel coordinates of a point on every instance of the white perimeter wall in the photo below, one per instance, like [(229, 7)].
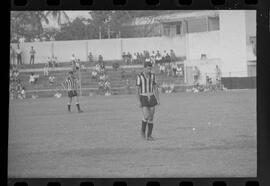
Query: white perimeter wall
[(110, 49), (203, 43)]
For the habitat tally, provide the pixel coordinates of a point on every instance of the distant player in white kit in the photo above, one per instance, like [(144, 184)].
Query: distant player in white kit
[(148, 98)]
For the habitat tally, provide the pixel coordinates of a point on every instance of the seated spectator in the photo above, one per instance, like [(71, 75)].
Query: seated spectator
[(123, 74), (162, 68), (97, 68), (179, 71), (46, 70), (174, 69), (32, 78), (102, 77), (51, 80), (21, 93), (101, 87), (58, 94), (94, 75), (172, 56)]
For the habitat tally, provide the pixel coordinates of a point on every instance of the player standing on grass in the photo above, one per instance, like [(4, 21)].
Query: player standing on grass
[(71, 85), (148, 98)]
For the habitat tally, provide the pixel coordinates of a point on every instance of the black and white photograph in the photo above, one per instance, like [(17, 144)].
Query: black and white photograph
[(132, 94)]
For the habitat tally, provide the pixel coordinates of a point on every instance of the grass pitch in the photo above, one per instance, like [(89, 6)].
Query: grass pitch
[(197, 135)]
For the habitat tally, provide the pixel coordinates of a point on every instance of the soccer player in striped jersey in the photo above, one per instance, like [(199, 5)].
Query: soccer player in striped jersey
[(71, 85), (148, 98)]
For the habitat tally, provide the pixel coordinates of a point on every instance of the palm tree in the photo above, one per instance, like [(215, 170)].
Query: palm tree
[(60, 16)]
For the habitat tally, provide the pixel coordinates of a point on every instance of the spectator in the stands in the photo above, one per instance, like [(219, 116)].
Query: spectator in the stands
[(19, 55), (90, 57), (46, 69), (196, 75), (12, 56), (32, 55), (152, 58), (172, 55), (51, 79), (94, 75), (162, 68), (158, 57), (179, 71), (50, 63), (129, 58), (54, 61), (33, 78), (134, 58), (73, 58), (102, 77), (124, 57), (174, 69), (168, 58), (107, 87)]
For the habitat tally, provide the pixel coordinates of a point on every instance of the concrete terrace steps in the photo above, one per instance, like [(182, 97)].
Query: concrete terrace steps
[(118, 83)]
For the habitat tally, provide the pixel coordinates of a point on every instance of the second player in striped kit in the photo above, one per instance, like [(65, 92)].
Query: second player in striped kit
[(71, 85), (148, 98)]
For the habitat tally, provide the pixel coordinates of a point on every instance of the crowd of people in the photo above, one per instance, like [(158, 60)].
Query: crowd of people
[(210, 83), (155, 57), (99, 75), (17, 90)]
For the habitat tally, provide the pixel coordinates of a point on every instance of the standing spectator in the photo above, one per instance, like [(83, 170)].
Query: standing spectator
[(174, 68), (172, 56), (196, 75), (50, 63), (218, 77), (54, 61), (100, 60), (158, 57), (12, 56), (129, 58), (19, 55), (134, 59), (46, 70), (90, 57), (107, 88), (32, 55)]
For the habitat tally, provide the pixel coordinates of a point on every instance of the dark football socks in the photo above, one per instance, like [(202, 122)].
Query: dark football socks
[(150, 128), (68, 107), (144, 123), (78, 107)]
